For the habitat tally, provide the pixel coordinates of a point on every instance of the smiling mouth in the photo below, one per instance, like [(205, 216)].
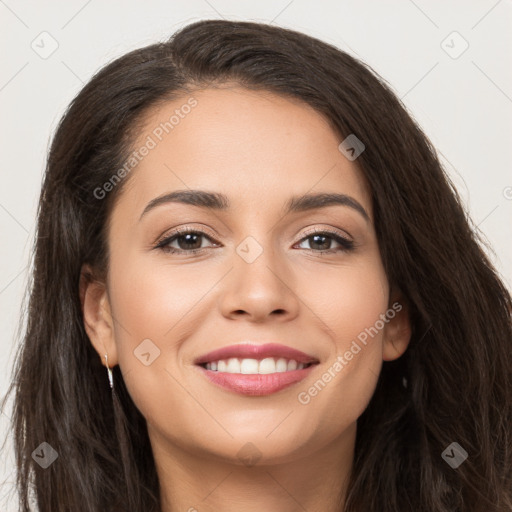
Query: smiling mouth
[(249, 366)]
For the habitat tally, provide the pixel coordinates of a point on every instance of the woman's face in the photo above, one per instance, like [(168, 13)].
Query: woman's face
[(259, 277)]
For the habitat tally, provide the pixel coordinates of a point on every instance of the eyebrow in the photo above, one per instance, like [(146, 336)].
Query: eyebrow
[(220, 202)]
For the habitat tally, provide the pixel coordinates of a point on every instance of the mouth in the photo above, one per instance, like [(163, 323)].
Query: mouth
[(256, 370), (249, 366), (247, 351)]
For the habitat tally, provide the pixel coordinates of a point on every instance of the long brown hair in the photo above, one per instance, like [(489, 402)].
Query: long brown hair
[(457, 369)]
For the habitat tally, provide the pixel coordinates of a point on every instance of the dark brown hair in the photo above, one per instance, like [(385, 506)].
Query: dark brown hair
[(458, 365)]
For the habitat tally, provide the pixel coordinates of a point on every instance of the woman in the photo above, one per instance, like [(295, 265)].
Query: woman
[(247, 230)]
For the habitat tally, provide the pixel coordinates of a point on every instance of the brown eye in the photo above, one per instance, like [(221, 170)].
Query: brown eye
[(189, 241), (186, 241), (322, 241)]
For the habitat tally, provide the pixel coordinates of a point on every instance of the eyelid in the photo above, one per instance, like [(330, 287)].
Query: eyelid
[(334, 233), (204, 231), (183, 229), (329, 230)]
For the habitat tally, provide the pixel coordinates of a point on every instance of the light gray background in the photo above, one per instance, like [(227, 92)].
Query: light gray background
[(464, 104)]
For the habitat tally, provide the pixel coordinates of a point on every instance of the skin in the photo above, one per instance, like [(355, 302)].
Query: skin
[(259, 149)]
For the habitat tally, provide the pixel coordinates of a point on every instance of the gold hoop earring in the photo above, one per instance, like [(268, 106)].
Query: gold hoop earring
[(109, 372)]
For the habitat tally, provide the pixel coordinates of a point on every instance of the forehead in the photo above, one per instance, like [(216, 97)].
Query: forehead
[(256, 147)]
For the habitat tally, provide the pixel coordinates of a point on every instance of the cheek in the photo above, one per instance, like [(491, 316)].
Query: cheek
[(348, 299), (150, 301), (350, 302), (150, 305), (169, 302)]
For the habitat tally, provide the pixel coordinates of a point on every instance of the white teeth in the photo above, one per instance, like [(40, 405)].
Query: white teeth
[(233, 365), (249, 366), (281, 365), (253, 366), (292, 365), (267, 365)]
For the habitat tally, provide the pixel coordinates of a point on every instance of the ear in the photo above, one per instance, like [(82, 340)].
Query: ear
[(397, 332), (97, 315)]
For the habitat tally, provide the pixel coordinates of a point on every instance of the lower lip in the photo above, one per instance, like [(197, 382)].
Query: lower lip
[(256, 384)]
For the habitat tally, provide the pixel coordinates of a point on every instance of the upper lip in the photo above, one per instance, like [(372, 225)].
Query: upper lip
[(256, 351)]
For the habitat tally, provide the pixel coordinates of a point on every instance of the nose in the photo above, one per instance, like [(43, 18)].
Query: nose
[(260, 290)]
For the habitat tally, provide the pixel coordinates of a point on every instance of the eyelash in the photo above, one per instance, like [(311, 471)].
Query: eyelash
[(347, 245)]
